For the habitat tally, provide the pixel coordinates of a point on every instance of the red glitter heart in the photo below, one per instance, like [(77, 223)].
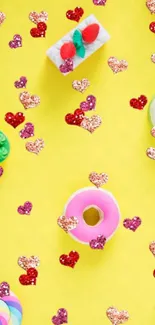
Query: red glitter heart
[(75, 14), (39, 31), (69, 260), (138, 103), (76, 118), (29, 278), (14, 119), (152, 27)]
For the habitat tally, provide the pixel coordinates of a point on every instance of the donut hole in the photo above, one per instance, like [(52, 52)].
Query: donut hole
[(92, 215)]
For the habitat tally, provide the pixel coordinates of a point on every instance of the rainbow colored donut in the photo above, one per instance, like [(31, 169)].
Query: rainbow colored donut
[(10, 310), (108, 210)]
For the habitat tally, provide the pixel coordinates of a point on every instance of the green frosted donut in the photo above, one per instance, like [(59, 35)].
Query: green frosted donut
[(152, 111), (4, 147)]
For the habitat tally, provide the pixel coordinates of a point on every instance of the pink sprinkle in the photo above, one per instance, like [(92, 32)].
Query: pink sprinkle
[(1, 171)]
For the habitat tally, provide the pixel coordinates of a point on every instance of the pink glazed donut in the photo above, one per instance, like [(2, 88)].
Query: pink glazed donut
[(108, 210)]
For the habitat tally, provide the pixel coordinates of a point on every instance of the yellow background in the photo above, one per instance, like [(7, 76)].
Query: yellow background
[(121, 275)]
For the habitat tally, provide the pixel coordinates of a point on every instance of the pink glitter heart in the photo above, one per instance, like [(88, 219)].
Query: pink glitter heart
[(2, 17), (26, 208), (98, 179), (132, 224), (117, 65), (151, 6), (117, 317), (4, 289), (89, 104), (27, 132), (91, 123), (16, 42), (67, 66), (21, 83), (99, 2), (61, 317), (1, 171), (98, 243)]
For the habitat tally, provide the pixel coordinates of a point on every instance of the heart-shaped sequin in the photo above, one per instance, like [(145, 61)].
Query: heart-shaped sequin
[(151, 6), (69, 260), (89, 104), (76, 118), (38, 17), (67, 224), (29, 101), (81, 85), (98, 243), (29, 278), (150, 152), (4, 289), (40, 31), (67, 66), (2, 17), (98, 179), (27, 132), (91, 123), (28, 262), (99, 2), (132, 224), (25, 208), (138, 103), (14, 119), (152, 247), (21, 83), (75, 14), (153, 132), (117, 65), (61, 317), (16, 42), (117, 317), (36, 146)]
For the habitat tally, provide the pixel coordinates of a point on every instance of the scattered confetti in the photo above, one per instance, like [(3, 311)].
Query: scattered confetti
[(36, 146), (98, 179), (153, 131), (117, 317), (98, 243), (116, 65), (153, 57), (40, 31), (81, 85), (1, 171), (132, 224), (69, 260), (61, 317), (67, 224), (27, 132), (76, 118), (2, 18), (99, 2), (75, 14), (154, 273), (25, 208), (151, 6), (89, 104), (21, 83), (28, 262), (152, 27), (29, 278), (16, 42), (91, 123), (29, 101), (38, 17), (150, 152), (4, 289), (14, 119), (138, 103), (67, 66), (152, 247)]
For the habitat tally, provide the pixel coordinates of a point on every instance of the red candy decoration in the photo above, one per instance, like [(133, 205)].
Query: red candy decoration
[(90, 33), (75, 14), (40, 31), (138, 103), (69, 260), (29, 278), (152, 27), (76, 118), (67, 51), (154, 273), (14, 119)]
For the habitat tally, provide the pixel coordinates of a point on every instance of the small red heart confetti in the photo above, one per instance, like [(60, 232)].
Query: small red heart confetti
[(152, 27), (76, 118), (75, 14), (69, 260), (40, 31), (14, 119), (29, 278), (61, 317), (138, 103)]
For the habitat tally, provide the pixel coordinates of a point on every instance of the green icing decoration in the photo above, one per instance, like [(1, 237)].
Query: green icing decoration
[(77, 40), (4, 147)]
